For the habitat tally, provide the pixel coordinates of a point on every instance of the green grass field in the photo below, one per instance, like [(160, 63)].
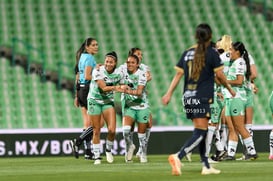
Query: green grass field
[(158, 169)]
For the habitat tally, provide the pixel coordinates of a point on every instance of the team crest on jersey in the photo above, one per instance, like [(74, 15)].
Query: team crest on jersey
[(241, 70), (189, 55), (227, 55)]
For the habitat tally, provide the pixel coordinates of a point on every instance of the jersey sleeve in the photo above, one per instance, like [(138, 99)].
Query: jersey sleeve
[(123, 67), (145, 68), (90, 61), (97, 74), (121, 73), (142, 78), (186, 55), (122, 70), (241, 67)]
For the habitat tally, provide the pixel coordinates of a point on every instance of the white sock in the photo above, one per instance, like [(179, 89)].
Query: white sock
[(218, 143), (131, 135), (96, 150), (142, 142), (249, 145), (232, 147), (109, 145), (210, 133), (126, 135), (249, 129), (148, 133), (224, 135), (271, 142)]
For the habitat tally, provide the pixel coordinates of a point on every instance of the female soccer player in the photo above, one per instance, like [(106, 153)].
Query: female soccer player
[(136, 107), (238, 74), (199, 65), (138, 52), (101, 103)]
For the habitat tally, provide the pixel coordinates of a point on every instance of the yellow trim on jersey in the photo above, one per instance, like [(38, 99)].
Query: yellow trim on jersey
[(218, 68), (179, 69), (193, 46)]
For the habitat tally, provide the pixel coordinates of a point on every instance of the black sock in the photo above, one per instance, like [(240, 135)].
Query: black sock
[(202, 151), (87, 134), (198, 135)]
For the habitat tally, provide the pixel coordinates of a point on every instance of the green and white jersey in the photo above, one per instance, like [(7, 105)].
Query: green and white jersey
[(142, 67), (225, 60), (133, 81), (238, 67), (216, 90), (110, 80)]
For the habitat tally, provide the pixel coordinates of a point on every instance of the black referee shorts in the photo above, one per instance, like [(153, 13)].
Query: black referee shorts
[(82, 95)]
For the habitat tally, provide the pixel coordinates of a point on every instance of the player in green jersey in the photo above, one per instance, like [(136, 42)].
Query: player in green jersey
[(136, 107), (239, 72), (101, 104)]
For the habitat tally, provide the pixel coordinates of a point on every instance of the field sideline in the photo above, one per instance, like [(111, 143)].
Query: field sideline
[(70, 169)]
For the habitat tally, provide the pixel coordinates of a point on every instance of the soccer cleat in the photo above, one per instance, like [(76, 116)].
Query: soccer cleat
[(143, 158), (175, 164), (228, 158), (270, 157), (212, 161), (130, 153), (97, 161), (138, 154), (74, 147), (251, 157), (243, 157), (221, 154), (109, 157), (88, 154), (208, 171), (188, 156)]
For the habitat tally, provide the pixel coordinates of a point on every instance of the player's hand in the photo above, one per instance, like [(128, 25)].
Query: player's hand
[(254, 88), (125, 87), (166, 99)]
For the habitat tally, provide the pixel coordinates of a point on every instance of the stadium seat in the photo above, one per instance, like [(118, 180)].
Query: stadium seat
[(162, 29)]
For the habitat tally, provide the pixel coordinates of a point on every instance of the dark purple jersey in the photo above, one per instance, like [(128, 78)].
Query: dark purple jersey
[(202, 88)]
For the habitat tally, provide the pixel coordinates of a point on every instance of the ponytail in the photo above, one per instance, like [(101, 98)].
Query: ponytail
[(246, 58), (203, 36), (239, 46)]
